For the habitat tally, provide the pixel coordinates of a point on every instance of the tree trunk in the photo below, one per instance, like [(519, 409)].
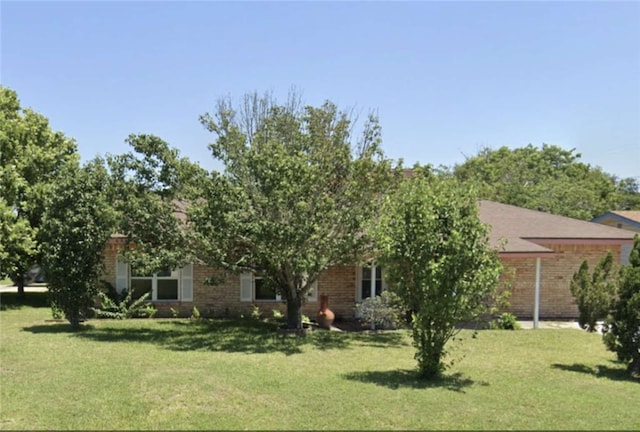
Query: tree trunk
[(20, 285), (294, 311), (429, 355), (74, 320)]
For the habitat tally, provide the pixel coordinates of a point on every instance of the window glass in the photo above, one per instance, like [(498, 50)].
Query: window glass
[(263, 291), (366, 273), (167, 289), (367, 284), (141, 287), (366, 289)]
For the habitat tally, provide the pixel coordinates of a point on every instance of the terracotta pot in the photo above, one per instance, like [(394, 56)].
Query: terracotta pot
[(325, 315)]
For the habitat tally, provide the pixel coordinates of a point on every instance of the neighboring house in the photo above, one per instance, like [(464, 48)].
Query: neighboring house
[(541, 251), (623, 219)]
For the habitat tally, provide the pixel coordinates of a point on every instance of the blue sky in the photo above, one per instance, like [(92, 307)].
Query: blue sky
[(446, 78)]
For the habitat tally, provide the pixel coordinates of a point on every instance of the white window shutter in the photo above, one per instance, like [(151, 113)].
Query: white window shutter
[(246, 286), (313, 292), (625, 252), (122, 275), (186, 282)]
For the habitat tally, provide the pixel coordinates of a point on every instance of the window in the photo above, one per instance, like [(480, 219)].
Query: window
[(262, 290), (167, 284), (162, 285), (370, 282), (254, 288)]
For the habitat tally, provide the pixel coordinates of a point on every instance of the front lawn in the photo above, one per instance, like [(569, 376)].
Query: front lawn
[(181, 374)]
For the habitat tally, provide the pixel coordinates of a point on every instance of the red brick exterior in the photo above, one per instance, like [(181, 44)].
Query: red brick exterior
[(557, 270), (223, 299), (339, 283)]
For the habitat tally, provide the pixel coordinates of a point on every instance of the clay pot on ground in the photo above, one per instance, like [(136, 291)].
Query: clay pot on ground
[(325, 315)]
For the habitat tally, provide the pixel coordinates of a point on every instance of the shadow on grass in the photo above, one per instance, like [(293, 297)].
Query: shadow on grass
[(58, 327), (395, 379), (244, 336), (11, 301), (600, 371)]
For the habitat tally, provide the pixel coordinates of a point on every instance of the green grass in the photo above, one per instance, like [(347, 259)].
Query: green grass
[(180, 374)]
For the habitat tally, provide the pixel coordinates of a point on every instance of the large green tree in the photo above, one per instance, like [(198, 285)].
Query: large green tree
[(436, 257), (31, 157), (75, 229), (622, 327), (150, 190), (295, 196), (549, 179)]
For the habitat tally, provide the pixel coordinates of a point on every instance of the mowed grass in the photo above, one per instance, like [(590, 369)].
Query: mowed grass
[(214, 374)]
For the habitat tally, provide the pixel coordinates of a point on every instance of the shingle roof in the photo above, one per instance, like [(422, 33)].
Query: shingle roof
[(523, 228), (632, 215)]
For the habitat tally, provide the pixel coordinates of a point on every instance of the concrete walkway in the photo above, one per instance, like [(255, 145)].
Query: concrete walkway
[(528, 325), (27, 289)]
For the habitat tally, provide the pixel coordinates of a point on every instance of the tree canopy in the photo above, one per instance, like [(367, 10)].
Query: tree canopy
[(296, 193), (150, 190), (436, 256), (75, 229), (31, 157), (549, 179)]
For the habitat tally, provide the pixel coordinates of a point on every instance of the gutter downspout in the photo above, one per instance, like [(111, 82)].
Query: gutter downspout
[(536, 301)]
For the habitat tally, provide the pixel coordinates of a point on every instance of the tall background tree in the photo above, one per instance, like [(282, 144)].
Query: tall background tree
[(75, 229), (548, 179), (622, 327), (31, 157), (295, 195), (436, 257)]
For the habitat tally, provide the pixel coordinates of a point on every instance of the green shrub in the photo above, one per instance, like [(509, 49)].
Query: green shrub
[(383, 311), (123, 305), (256, 313), (277, 315), (506, 321), (195, 314), (593, 293), (56, 311)]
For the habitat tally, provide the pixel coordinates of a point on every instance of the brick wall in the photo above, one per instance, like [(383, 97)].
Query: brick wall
[(110, 254), (223, 299), (339, 283), (557, 270)]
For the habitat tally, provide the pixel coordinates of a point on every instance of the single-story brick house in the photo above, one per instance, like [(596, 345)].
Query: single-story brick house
[(542, 251)]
